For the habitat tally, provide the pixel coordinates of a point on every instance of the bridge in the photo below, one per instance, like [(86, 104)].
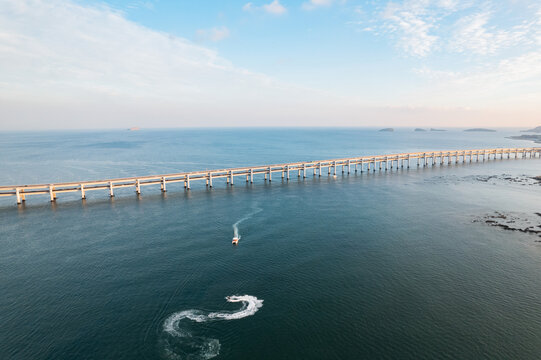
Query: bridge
[(361, 163)]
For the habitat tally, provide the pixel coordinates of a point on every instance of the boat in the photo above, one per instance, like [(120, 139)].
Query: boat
[(235, 241)]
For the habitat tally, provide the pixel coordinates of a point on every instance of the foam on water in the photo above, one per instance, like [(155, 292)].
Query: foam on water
[(236, 225), (207, 348)]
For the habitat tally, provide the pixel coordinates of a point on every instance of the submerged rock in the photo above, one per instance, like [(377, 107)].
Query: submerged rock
[(501, 179), (523, 222)]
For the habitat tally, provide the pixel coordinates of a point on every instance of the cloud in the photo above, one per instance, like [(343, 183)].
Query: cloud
[(313, 4), (214, 34), (275, 8), (506, 82), (88, 66), (412, 24), (473, 35)]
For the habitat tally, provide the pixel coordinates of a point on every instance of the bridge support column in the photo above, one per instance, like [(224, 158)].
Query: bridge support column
[(334, 169), (210, 179), (187, 182), (111, 193), (319, 169), (83, 196), (287, 169), (137, 187), (303, 171), (270, 175), (17, 193), (164, 188)]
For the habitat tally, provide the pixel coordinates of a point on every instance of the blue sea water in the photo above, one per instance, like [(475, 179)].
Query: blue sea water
[(381, 266)]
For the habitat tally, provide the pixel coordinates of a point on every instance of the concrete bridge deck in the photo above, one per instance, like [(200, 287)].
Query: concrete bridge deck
[(361, 163)]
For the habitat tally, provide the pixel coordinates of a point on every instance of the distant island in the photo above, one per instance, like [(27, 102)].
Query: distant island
[(135, 128), (534, 138), (419, 129), (535, 130), (432, 129), (480, 130), (387, 129)]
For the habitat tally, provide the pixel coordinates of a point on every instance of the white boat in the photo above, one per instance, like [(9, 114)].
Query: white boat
[(235, 241)]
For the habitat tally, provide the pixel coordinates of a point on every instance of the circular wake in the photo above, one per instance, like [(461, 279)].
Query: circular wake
[(185, 345)]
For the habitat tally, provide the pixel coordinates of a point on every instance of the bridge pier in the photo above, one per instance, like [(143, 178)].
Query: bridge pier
[(51, 193), (164, 188)]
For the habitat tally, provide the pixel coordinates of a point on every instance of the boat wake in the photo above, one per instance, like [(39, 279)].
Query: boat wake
[(236, 225), (183, 344)]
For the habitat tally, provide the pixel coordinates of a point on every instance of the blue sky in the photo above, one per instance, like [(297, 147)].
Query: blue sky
[(158, 63)]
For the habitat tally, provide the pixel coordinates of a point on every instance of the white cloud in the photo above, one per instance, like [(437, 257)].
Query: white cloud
[(275, 8), (412, 23), (473, 35), (214, 34), (313, 4), (63, 63), (504, 83)]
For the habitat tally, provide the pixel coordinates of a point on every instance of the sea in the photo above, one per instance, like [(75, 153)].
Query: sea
[(396, 264)]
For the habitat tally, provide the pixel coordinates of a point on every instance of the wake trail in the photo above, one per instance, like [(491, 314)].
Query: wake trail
[(182, 341), (236, 225)]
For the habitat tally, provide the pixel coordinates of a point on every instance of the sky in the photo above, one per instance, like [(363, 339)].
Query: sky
[(84, 64)]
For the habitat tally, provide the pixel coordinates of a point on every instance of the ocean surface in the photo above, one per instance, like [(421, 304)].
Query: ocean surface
[(386, 265)]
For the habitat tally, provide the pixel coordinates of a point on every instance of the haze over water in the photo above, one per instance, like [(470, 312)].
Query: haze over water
[(386, 265)]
